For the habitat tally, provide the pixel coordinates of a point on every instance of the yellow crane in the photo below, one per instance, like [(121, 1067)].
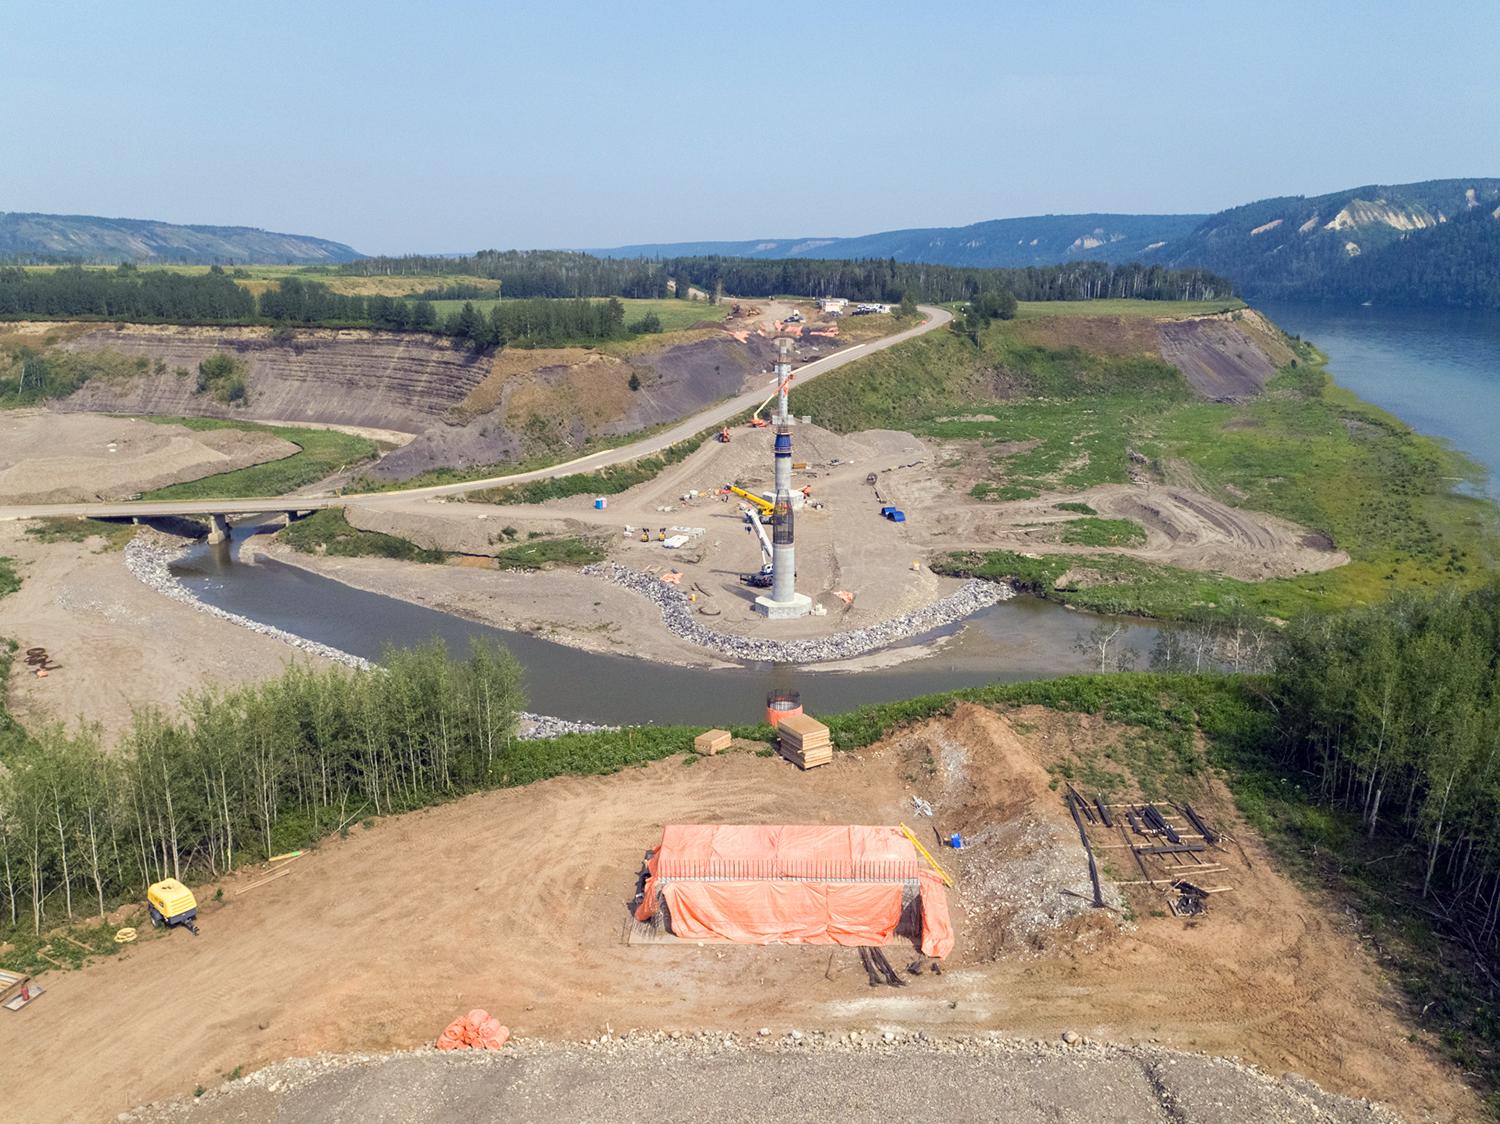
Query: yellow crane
[(766, 506)]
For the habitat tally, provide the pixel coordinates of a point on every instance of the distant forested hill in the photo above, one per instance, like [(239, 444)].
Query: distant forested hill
[(1007, 243), (1417, 243), (87, 238), (1430, 243)]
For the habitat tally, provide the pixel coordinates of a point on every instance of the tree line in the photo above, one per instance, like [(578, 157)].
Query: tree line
[(557, 273), (246, 773), (127, 293), (213, 297), (1394, 712)]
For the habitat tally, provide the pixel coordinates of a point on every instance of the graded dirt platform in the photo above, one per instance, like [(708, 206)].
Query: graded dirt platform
[(48, 457), (516, 901)]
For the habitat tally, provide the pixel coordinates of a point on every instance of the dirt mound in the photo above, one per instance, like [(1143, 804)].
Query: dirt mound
[(1232, 356), (64, 458), (1025, 887)]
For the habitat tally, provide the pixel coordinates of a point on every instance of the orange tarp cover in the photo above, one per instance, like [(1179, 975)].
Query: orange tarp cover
[(800, 884), (937, 927)]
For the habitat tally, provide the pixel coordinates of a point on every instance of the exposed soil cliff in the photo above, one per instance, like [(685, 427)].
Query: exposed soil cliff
[(461, 408)]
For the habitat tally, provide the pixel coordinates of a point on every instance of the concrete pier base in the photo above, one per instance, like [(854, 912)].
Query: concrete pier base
[(218, 529), (798, 605)]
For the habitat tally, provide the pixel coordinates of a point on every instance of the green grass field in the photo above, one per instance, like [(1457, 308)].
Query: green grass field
[(1036, 310), (329, 532), (675, 316), (323, 452)]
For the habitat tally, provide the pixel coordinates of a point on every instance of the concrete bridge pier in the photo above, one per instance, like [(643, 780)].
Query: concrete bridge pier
[(290, 517), (218, 529)]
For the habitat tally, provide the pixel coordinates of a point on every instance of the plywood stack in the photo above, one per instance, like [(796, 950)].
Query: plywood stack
[(804, 741), (711, 742)]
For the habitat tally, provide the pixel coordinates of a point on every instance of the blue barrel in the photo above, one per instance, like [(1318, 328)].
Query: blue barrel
[(956, 841)]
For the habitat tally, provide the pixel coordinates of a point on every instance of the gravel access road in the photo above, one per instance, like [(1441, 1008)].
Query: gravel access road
[(856, 1077)]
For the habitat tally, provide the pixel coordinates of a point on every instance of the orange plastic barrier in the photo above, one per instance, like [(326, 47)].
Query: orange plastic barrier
[(478, 1030), (798, 884), (937, 926)]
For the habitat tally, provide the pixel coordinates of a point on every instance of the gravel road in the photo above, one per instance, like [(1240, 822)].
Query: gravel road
[(712, 1077)]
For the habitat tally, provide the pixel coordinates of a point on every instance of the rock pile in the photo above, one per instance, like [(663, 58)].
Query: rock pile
[(677, 613), (151, 563)]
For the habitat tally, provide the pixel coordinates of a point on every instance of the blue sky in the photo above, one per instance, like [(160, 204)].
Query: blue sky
[(451, 126)]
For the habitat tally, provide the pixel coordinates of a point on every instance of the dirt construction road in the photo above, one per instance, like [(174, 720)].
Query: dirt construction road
[(516, 901)]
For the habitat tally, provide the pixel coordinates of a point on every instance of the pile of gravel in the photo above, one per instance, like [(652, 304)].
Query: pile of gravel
[(151, 563), (677, 613)]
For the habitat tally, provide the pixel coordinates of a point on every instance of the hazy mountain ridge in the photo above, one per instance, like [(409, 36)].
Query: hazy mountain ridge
[(1011, 243), (1433, 242), (89, 238)]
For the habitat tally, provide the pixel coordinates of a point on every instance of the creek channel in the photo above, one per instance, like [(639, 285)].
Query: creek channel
[(1022, 638)]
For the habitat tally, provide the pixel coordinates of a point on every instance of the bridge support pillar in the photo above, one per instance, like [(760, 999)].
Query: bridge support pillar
[(218, 528), (290, 517)]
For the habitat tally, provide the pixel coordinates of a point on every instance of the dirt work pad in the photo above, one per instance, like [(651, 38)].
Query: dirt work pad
[(63, 458), (814, 1077), (514, 901)]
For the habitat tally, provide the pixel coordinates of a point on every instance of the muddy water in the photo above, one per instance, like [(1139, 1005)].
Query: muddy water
[(1019, 639)]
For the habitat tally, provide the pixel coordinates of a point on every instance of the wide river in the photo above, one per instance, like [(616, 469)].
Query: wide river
[(1439, 371), (1436, 370)]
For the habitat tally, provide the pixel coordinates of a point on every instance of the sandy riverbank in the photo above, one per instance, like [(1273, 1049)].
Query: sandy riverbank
[(121, 645), (566, 606)]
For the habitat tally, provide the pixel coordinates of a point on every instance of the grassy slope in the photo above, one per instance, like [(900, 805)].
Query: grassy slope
[(1307, 449), (323, 452)]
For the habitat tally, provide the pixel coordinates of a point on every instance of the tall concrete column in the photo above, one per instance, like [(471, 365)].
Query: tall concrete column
[(784, 601), (218, 528)]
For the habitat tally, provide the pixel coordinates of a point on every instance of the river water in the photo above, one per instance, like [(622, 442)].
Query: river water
[(1023, 638), (1439, 371)]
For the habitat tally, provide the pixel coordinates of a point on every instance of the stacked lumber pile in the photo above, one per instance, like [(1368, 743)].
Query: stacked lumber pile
[(804, 741), (711, 742)]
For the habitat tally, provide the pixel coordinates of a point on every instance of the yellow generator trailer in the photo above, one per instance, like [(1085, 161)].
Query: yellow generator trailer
[(171, 903)]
